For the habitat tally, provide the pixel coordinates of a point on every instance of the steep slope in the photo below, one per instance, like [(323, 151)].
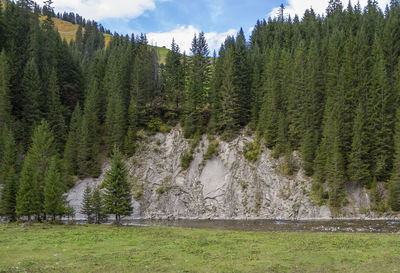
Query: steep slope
[(225, 187)]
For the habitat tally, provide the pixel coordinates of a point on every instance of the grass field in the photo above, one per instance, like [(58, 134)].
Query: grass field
[(42, 248)]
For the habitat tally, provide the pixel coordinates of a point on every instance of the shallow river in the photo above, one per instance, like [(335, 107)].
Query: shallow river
[(363, 226)]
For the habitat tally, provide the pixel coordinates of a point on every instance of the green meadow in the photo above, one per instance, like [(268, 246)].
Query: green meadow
[(90, 248)]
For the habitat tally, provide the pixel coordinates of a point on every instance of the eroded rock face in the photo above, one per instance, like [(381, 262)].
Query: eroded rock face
[(225, 187)]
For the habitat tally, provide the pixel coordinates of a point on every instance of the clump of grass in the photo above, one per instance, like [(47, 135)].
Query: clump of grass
[(243, 184), (163, 189), (138, 191)]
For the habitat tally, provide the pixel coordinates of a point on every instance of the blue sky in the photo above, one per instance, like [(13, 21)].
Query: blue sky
[(164, 19)]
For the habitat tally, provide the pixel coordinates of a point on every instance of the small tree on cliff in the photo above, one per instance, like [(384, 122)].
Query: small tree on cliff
[(117, 195)]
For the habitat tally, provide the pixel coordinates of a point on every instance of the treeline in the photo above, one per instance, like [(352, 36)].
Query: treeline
[(324, 86)]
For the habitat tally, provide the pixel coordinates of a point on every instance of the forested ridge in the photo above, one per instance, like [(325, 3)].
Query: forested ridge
[(326, 86)]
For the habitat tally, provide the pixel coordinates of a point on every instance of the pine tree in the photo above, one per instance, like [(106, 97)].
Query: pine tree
[(197, 88), (117, 195), (358, 168), (5, 99), (86, 206), (380, 113), (241, 78), (8, 176), (32, 93), (143, 83), (55, 111), (97, 206), (115, 121), (230, 99), (174, 80), (88, 157), (72, 145), (130, 137), (394, 189), (30, 197), (54, 189)]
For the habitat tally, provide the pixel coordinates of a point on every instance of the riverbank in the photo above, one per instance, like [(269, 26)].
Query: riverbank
[(89, 248)]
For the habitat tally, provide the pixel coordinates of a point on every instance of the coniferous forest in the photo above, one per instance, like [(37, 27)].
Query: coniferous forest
[(325, 86)]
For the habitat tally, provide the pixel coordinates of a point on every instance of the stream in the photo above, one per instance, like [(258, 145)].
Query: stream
[(321, 226)]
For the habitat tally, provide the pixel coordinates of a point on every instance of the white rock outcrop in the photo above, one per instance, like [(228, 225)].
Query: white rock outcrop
[(225, 187)]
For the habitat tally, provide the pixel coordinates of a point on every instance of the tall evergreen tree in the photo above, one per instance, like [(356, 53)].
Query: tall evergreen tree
[(97, 206), (174, 79), (89, 143), (55, 115), (86, 206), (72, 146), (394, 189), (197, 87), (8, 176), (30, 197), (32, 92), (54, 189), (117, 195), (358, 169), (5, 99)]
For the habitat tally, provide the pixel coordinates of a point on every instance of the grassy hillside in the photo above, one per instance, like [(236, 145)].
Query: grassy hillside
[(162, 54), (90, 248), (68, 30)]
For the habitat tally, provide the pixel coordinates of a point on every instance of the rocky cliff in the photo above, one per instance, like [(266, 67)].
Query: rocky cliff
[(227, 186)]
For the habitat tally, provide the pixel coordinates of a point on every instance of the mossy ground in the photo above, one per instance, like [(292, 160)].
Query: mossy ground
[(89, 248)]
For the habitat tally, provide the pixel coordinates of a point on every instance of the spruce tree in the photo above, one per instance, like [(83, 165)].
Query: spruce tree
[(32, 92), (230, 99), (380, 113), (174, 80), (30, 197), (115, 121), (89, 139), (394, 188), (197, 87), (117, 195), (130, 138), (55, 111), (72, 146), (54, 189), (5, 99), (8, 176), (86, 206), (241, 78), (358, 169), (97, 206)]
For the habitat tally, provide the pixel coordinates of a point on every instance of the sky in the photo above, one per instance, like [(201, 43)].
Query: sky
[(162, 20)]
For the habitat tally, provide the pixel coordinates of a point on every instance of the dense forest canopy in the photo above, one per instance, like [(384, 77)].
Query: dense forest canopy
[(326, 86)]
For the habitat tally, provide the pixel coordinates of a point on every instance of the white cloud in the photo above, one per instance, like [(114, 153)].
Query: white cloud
[(184, 35), (101, 9), (299, 6)]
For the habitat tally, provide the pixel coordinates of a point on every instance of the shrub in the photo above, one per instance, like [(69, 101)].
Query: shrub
[(154, 125), (186, 159), (252, 151), (137, 192), (211, 150)]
